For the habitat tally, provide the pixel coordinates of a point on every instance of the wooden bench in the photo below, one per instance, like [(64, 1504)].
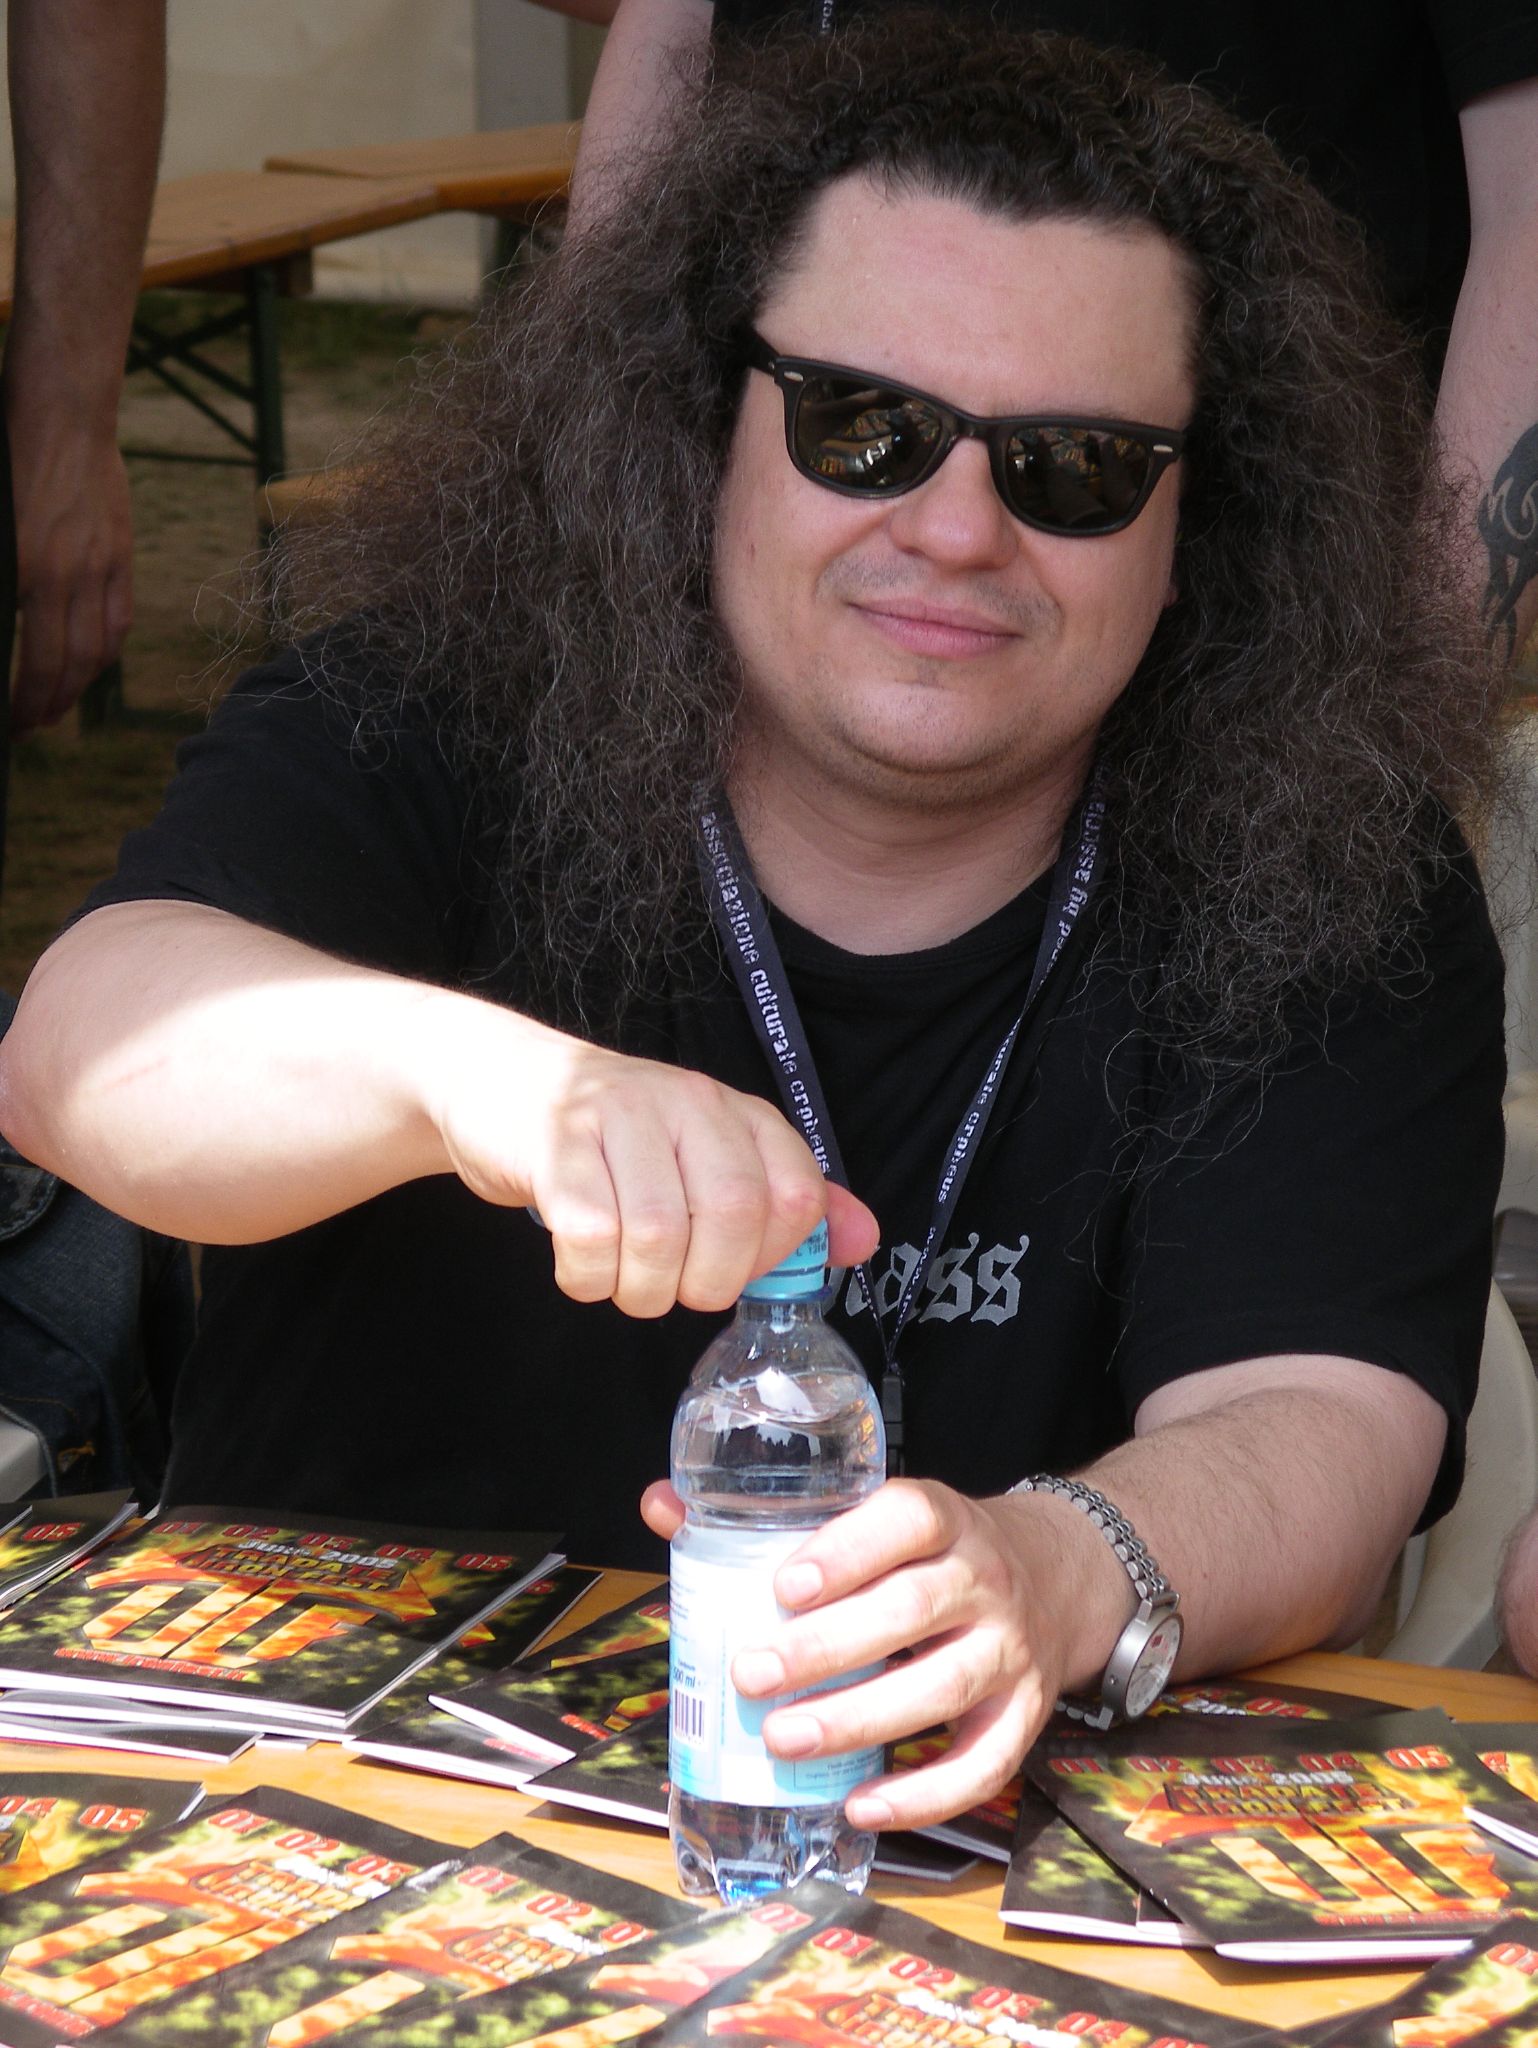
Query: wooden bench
[(308, 498), (511, 173), (514, 175), (249, 233)]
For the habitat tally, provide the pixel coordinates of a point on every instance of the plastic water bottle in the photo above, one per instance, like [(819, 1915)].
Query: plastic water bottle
[(778, 1431)]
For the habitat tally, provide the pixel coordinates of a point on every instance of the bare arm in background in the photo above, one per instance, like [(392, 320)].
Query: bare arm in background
[(1488, 408), (87, 87), (636, 75), (1517, 1595), (597, 13)]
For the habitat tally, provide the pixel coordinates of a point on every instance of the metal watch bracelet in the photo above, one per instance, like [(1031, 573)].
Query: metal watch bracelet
[(1156, 1597)]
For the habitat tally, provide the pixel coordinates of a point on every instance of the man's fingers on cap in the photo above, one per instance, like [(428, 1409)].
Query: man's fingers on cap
[(727, 1195), (796, 1195), (579, 1209), (653, 1214), (853, 1232)]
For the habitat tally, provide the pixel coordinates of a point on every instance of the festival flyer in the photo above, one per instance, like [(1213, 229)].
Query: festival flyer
[(483, 1919), (990, 1829), (626, 1778), (1220, 1696), (406, 1728), (1509, 1748), (1522, 2033), (308, 1623), (872, 1977), (633, 1626), (1299, 1841), (48, 1536), (202, 1739), (52, 1821), (1456, 2001), (611, 2000), (1061, 1884), (425, 1739), (505, 1637), (557, 1712), (85, 1949)]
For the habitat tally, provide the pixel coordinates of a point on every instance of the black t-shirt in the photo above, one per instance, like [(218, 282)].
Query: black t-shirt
[(1365, 94), (412, 1359)]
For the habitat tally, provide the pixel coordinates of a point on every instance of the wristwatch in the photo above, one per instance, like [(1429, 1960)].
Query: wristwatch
[(1144, 1656)]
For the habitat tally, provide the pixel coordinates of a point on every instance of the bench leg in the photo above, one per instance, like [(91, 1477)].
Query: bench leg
[(101, 701), (266, 371)]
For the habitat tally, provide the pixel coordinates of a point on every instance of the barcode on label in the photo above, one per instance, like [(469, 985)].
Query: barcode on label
[(688, 1715)]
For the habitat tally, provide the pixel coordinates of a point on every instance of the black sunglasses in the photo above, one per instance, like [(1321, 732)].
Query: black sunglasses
[(871, 438)]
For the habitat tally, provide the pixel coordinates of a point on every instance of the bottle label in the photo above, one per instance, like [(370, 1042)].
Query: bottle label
[(722, 1602)]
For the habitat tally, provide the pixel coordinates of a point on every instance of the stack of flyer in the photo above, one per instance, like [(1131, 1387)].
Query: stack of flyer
[(1059, 1882), (274, 1919), (1386, 1838), (408, 1730), (39, 1539), (586, 1726), (553, 1710), (251, 1622)]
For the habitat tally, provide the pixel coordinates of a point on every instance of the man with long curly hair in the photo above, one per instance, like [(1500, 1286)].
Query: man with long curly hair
[(932, 616)]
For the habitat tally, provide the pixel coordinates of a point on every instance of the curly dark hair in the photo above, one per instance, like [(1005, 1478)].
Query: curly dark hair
[(532, 546)]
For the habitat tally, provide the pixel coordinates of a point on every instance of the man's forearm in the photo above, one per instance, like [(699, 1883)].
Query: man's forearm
[(225, 1083), (1278, 1505), (87, 89), (213, 1080), (1487, 411)]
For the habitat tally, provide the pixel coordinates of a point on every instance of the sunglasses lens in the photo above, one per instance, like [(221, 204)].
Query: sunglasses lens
[(859, 436), (1075, 479)]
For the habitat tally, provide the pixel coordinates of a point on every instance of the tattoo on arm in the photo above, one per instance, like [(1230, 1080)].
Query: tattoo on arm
[(1508, 526)]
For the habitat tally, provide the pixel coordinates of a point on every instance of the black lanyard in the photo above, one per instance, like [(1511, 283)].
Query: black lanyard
[(742, 921)]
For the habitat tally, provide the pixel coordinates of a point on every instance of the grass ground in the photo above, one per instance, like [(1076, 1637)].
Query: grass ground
[(74, 794)]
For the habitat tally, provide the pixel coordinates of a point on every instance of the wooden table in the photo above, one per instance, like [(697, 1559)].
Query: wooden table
[(454, 1811), (509, 172)]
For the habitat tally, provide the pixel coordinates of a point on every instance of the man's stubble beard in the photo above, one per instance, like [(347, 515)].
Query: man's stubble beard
[(889, 770)]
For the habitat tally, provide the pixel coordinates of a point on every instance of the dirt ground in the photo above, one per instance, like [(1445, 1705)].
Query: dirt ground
[(74, 794)]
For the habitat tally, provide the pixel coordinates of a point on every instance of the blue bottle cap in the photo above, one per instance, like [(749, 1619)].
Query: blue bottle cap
[(797, 1278)]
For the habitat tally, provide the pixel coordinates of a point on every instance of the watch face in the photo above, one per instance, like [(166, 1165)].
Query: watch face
[(1155, 1662)]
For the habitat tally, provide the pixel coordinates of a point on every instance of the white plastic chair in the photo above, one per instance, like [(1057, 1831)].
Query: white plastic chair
[(1519, 1181), (1447, 1583)]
